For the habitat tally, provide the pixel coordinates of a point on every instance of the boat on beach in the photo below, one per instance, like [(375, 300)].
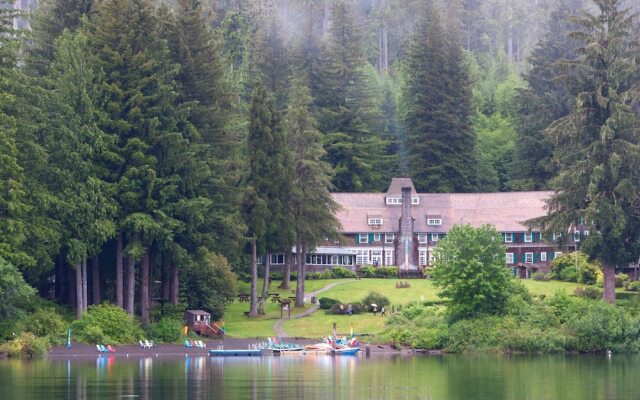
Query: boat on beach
[(235, 352)]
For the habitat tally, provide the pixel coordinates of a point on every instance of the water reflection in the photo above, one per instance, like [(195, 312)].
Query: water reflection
[(322, 377)]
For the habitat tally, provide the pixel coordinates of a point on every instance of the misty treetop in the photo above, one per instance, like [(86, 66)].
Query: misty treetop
[(138, 135)]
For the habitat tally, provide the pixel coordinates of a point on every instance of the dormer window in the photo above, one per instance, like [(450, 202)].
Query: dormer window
[(375, 221), (434, 221), (394, 200)]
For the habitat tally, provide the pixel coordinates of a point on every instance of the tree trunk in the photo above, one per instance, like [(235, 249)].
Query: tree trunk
[(302, 261), (131, 285), (265, 284), (79, 296), (60, 295), (119, 273), (144, 287), (174, 290), (286, 273), (95, 279), (85, 298), (70, 281), (253, 305), (609, 277)]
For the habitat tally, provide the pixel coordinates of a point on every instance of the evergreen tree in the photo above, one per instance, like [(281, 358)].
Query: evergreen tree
[(269, 186), (312, 206), (346, 109), (596, 145), (49, 20), (545, 100), (150, 124), (437, 94)]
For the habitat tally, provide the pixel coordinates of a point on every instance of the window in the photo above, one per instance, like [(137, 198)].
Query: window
[(377, 237), (543, 256), (422, 238), (388, 257), (375, 221), (508, 237), (585, 233), (435, 237), (389, 237), (376, 257), (394, 200), (277, 259), (576, 236), (362, 257), (528, 258), (415, 200), (364, 238), (557, 254), (509, 257), (423, 257), (557, 236), (432, 258), (528, 237), (434, 221)]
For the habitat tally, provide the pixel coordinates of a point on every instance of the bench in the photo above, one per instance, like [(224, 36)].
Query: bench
[(246, 314)]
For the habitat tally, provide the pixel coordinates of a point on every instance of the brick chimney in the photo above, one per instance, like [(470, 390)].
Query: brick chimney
[(406, 256)]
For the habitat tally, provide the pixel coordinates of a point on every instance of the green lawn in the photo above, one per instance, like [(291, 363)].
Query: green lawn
[(320, 323)]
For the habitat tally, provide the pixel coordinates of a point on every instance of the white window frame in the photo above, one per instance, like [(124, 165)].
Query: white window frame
[(422, 257), (388, 257), (377, 237), (422, 238), (389, 237), (576, 236), (585, 233), (528, 237), (375, 221), (557, 254), (543, 256), (376, 255), (366, 238), (394, 200), (434, 221), (435, 237), (528, 258), (508, 237), (362, 257), (276, 257), (556, 236), (415, 201), (510, 258)]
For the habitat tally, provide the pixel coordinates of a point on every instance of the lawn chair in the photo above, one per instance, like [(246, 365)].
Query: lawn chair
[(187, 344), (111, 349), (99, 347), (149, 343), (200, 344), (143, 344)]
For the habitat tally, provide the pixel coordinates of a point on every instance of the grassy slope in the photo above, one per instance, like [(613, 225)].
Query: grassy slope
[(319, 323)]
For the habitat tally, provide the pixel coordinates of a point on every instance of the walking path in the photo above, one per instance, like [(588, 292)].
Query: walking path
[(278, 325)]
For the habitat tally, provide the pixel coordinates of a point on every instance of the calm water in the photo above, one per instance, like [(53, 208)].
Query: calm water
[(324, 377)]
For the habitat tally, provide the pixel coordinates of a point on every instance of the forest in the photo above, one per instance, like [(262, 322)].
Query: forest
[(155, 150)]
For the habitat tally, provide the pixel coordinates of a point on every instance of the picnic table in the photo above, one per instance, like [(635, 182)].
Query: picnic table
[(243, 298), (275, 297)]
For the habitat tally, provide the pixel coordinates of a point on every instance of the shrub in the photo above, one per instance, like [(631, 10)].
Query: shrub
[(167, 330), (530, 339), (342, 273), (313, 275), (621, 280), (375, 298), (45, 322), (339, 308), (109, 323), (368, 271), (589, 292), (633, 286), (26, 345), (326, 303), (386, 272), (574, 267), (326, 274), (597, 326), (541, 276)]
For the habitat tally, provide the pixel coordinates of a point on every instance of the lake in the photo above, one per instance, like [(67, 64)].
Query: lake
[(324, 377)]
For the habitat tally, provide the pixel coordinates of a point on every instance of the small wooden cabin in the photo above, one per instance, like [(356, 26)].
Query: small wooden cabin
[(200, 322)]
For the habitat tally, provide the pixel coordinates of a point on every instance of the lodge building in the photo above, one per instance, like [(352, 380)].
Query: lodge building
[(401, 228)]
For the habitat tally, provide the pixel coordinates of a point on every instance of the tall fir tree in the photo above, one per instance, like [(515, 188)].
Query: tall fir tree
[(544, 100), (344, 100), (437, 94), (596, 145), (269, 186)]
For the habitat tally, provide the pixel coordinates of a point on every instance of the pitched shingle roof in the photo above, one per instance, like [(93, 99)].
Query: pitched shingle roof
[(506, 211)]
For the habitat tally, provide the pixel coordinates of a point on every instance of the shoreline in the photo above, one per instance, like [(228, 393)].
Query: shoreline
[(173, 349)]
